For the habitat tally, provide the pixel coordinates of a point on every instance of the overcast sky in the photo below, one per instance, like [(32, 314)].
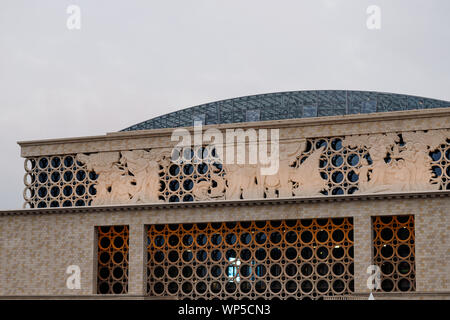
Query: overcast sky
[(134, 60)]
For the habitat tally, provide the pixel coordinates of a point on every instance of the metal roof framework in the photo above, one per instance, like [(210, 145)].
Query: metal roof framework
[(289, 105)]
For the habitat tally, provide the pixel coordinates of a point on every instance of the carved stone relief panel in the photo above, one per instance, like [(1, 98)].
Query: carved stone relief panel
[(195, 174), (127, 176), (402, 162), (392, 162), (334, 168)]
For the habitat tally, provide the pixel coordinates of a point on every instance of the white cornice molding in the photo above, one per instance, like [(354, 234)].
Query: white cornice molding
[(300, 122)]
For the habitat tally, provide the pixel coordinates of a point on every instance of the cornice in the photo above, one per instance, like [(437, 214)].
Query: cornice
[(228, 203), (300, 122)]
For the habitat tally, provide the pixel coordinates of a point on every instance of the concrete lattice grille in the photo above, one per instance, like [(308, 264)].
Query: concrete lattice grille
[(338, 165), (194, 167), (293, 259), (441, 165), (393, 252), (58, 181), (112, 271)]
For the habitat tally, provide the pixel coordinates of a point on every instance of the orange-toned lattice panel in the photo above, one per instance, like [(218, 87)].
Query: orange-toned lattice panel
[(283, 259), (112, 274), (393, 252)]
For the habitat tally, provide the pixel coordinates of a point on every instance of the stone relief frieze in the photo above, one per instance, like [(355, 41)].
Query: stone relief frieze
[(398, 162), (355, 164), (307, 177), (126, 176), (246, 181), (212, 189)]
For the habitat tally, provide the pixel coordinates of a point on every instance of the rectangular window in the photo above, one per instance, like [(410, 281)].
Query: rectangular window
[(393, 252), (293, 259), (112, 257)]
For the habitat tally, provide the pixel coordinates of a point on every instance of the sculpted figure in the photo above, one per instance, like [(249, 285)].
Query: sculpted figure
[(243, 180), (105, 165), (423, 143), (126, 177), (409, 167), (307, 175), (378, 146), (363, 173), (417, 163), (246, 180), (218, 186), (122, 189), (145, 169), (207, 190), (282, 181), (201, 189)]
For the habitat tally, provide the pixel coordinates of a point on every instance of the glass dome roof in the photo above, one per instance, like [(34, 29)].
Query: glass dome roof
[(289, 105)]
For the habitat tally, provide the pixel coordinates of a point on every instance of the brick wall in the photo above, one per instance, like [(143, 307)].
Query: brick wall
[(37, 248)]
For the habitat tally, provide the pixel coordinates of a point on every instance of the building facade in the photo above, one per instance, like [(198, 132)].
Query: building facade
[(165, 209)]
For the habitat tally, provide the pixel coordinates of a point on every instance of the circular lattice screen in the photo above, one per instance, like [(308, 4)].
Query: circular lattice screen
[(260, 259), (112, 271), (440, 165), (393, 239), (58, 181), (192, 176), (338, 165)]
